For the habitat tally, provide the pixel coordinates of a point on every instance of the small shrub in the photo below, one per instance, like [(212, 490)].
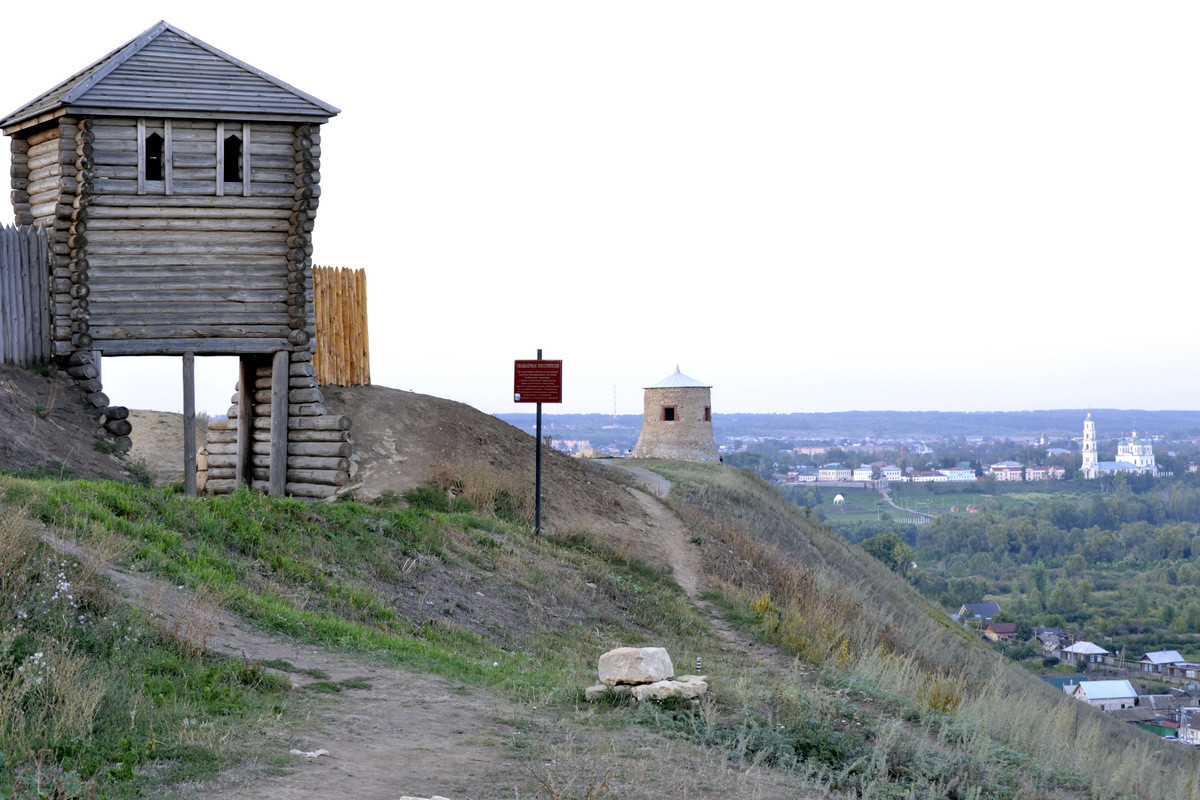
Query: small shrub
[(485, 489), (45, 783), (140, 472), (109, 448), (428, 498), (388, 499), (763, 605), (942, 693)]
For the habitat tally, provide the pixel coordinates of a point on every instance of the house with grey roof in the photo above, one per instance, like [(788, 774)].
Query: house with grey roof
[(1084, 652), (1052, 641), (1104, 695), (1160, 659), (982, 612)]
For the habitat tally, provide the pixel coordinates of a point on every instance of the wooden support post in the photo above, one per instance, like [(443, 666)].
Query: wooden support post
[(245, 422), (279, 422), (189, 424)]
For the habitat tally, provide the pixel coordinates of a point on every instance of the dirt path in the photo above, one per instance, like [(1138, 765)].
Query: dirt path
[(673, 541), (912, 511), (668, 532), (687, 565), (409, 733), (423, 735), (652, 482)]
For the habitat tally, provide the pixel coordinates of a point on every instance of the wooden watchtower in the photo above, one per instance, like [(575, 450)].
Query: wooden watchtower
[(179, 187)]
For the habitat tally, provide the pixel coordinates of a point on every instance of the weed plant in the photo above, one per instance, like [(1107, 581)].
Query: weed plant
[(89, 690)]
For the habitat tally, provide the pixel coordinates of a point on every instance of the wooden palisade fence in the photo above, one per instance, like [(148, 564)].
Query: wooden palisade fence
[(342, 357), (24, 296)]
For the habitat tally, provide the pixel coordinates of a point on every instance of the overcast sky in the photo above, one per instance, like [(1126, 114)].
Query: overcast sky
[(812, 206)]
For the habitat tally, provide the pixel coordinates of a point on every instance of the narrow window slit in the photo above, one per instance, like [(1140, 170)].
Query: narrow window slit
[(232, 159), (154, 157)]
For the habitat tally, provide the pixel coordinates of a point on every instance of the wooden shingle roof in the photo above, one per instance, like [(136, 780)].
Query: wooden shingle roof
[(168, 72)]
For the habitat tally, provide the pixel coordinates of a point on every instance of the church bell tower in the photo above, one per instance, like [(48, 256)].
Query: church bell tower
[(1090, 460)]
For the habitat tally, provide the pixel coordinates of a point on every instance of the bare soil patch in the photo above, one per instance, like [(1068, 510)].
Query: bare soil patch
[(47, 424), (158, 444), (402, 440)]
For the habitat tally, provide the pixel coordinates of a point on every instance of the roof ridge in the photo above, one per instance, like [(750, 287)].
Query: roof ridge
[(104, 67), (73, 90)]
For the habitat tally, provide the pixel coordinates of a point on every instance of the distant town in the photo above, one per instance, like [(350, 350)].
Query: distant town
[(834, 450)]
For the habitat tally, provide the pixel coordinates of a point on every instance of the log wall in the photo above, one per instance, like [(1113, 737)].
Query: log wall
[(45, 174), (244, 448), (24, 296), (193, 263), (318, 449), (342, 356), (189, 263)]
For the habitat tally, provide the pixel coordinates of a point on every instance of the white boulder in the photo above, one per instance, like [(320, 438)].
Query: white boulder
[(635, 665)]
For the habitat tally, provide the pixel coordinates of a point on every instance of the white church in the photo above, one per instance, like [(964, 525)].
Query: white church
[(1133, 454)]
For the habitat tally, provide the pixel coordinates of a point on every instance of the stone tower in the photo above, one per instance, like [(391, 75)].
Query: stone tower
[(1090, 467), (677, 421)]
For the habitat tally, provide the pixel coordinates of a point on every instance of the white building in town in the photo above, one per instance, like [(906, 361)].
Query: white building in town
[(1104, 695), (1133, 454)]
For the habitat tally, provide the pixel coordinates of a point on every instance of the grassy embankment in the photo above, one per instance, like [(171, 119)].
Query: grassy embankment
[(127, 702), (891, 700), (949, 712)]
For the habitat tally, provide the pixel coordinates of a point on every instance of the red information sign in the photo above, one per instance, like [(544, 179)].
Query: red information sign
[(537, 381)]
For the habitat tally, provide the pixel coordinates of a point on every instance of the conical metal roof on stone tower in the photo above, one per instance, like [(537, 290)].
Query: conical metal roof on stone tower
[(678, 380)]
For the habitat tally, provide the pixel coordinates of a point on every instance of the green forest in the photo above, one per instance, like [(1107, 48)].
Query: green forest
[(1115, 563)]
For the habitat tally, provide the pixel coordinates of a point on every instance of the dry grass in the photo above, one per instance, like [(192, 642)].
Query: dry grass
[(650, 766), (188, 620), (1069, 736), (826, 602), (46, 693), (16, 542), (484, 487)]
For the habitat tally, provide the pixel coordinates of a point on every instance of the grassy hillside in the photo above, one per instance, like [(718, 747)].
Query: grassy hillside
[(861, 690), (958, 720)]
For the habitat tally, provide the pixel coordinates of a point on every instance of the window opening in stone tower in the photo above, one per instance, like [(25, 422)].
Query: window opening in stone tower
[(708, 413), (668, 414)]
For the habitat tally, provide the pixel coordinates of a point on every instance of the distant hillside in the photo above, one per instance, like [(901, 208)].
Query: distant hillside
[(1055, 423)]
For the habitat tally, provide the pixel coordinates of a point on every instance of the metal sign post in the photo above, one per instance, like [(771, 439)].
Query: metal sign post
[(537, 381)]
